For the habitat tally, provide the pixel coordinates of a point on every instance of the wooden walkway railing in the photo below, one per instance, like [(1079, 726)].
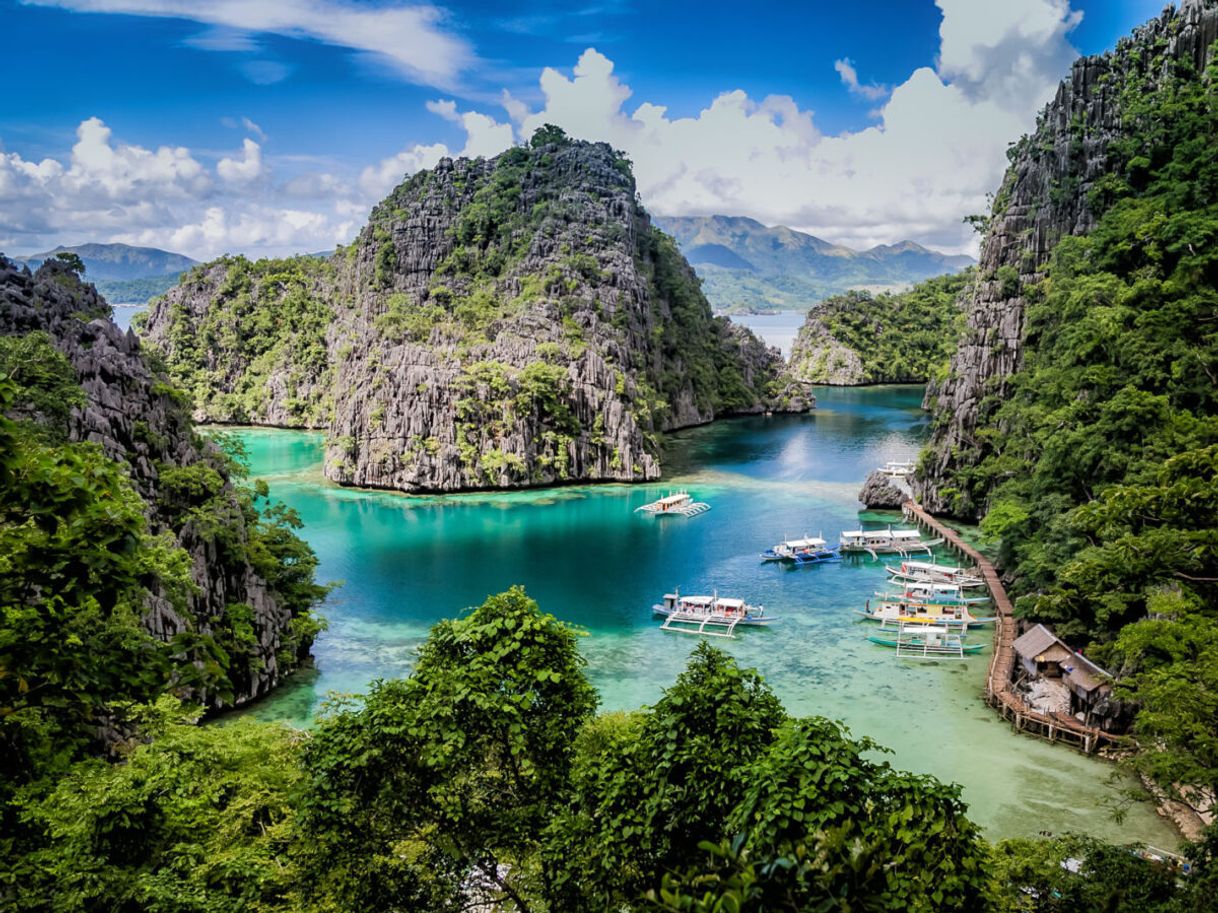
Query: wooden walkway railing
[(999, 682)]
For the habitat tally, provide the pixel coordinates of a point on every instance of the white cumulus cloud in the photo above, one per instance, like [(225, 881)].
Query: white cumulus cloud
[(409, 37), (850, 79), (244, 170), (934, 153), (934, 150)]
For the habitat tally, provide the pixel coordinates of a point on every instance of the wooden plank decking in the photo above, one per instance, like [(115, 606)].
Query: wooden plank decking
[(999, 691)]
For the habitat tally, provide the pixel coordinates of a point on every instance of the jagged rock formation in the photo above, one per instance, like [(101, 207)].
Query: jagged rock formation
[(882, 492), (498, 323), (860, 338), (1049, 191), (139, 421), (817, 356)]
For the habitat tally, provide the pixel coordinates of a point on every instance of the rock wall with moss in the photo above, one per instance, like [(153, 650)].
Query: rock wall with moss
[(1061, 177), (238, 618), (904, 337), (508, 322)]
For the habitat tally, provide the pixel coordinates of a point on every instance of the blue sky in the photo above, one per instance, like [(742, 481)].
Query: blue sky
[(267, 127)]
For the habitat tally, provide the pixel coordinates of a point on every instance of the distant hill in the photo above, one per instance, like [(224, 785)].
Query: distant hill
[(747, 266), (122, 273)]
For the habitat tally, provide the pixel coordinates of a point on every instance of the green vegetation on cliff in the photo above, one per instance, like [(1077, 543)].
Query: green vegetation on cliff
[(497, 323), (268, 320), (861, 338), (1099, 470), (103, 605)]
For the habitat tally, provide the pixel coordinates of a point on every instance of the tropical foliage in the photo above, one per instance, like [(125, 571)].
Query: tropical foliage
[(269, 319), (485, 780), (1099, 469), (898, 336)]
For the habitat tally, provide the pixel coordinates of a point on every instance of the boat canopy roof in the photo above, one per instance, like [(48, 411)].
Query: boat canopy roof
[(673, 499), (906, 534), (933, 587), (725, 602), (852, 534), (813, 542)]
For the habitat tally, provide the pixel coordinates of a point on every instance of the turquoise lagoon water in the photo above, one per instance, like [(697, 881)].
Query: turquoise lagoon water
[(583, 553)]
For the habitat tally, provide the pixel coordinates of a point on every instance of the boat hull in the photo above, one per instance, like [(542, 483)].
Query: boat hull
[(946, 621), (920, 649), (752, 621)]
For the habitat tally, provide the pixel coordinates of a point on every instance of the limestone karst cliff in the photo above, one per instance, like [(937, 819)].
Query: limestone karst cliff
[(247, 623), (1054, 187), (498, 323), (901, 337)]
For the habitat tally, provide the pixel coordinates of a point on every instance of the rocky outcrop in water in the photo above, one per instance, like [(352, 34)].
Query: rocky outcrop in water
[(882, 492), (1048, 192), (498, 323), (139, 421)]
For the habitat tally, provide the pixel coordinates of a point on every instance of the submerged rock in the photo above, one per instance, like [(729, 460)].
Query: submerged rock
[(498, 323)]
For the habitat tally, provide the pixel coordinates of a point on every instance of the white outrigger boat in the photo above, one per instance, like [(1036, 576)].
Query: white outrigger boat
[(677, 503), (808, 550), (713, 616), (875, 541), (926, 642), (897, 469), (926, 572), (945, 594), (897, 611)]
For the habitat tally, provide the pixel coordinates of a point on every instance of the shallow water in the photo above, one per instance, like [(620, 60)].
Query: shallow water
[(588, 558)]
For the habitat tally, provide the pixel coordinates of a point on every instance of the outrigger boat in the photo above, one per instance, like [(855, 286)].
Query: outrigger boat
[(926, 641), (899, 611), (875, 541), (713, 616), (677, 503), (897, 469), (925, 572), (943, 594), (808, 550)]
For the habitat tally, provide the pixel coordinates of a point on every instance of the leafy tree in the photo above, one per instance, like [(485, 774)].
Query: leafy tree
[(1170, 669), (71, 261), (649, 788), (438, 785), (46, 390), (76, 559), (790, 811), (548, 134), (1074, 872), (197, 820)]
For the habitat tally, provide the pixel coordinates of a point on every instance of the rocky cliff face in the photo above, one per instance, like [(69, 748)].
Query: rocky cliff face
[(138, 421), (819, 357), (1051, 189), (498, 323)]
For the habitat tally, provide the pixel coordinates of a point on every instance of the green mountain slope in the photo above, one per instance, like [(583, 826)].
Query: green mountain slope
[(122, 273), (860, 338), (747, 266)]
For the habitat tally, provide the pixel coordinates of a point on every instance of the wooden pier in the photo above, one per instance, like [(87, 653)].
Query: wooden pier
[(999, 684)]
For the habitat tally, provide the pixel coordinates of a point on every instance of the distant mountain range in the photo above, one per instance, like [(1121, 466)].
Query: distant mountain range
[(747, 266), (124, 274)]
